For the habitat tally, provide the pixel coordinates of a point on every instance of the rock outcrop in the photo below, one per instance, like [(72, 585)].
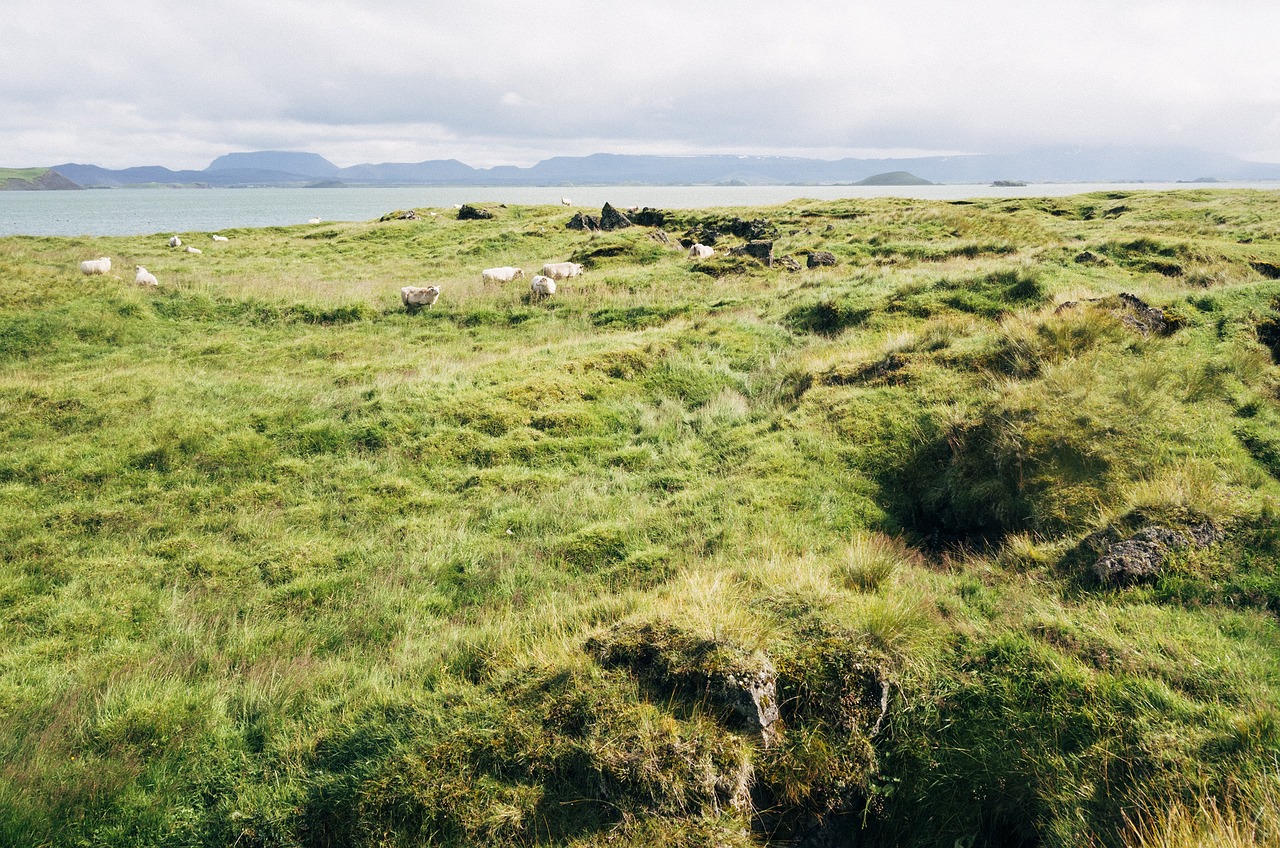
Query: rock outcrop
[(612, 219), (759, 249), (1142, 556)]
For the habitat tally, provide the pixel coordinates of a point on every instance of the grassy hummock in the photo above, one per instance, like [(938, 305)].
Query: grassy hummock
[(282, 564)]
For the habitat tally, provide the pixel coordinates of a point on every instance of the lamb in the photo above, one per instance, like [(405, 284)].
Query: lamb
[(561, 270), (541, 286), (414, 297), (175, 242), (221, 238), (143, 277), (194, 250), (96, 266), (504, 274), (700, 251)]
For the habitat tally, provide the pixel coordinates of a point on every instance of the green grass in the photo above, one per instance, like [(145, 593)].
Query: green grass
[(282, 564)]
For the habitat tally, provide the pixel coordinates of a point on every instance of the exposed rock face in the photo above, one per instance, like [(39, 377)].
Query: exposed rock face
[(1142, 556), (581, 221), (787, 263), (473, 213), (754, 230), (759, 250), (661, 237), (821, 258), (1143, 317), (744, 686), (612, 219), (649, 217)]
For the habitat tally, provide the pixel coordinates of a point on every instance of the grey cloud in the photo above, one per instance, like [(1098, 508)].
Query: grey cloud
[(497, 77)]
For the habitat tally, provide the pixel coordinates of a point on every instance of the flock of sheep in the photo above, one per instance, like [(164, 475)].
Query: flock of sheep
[(142, 276), (541, 286), (413, 297)]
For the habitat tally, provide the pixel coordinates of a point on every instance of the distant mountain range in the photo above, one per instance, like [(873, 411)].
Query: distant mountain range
[(1047, 164)]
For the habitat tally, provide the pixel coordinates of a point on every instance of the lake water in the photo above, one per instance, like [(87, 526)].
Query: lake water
[(158, 210)]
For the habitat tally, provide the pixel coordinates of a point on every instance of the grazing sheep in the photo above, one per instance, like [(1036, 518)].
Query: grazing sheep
[(313, 221), (414, 297), (143, 277), (96, 266), (561, 270), (700, 251), (504, 274), (175, 242), (194, 250), (541, 287), (221, 238), (564, 201)]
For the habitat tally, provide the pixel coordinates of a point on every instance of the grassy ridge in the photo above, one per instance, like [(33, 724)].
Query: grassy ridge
[(285, 565)]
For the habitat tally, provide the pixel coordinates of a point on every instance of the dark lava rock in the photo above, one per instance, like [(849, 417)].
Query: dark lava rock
[(1143, 555), (787, 263), (756, 229), (473, 213), (818, 258), (612, 219), (648, 217), (661, 237), (1089, 258), (759, 250), (1143, 317), (581, 221)]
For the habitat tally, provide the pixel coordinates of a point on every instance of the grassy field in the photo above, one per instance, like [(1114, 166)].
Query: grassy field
[(282, 564)]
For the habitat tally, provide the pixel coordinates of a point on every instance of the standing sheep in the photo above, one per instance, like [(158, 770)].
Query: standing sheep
[(414, 297), (541, 287), (504, 274), (175, 242), (561, 270), (700, 251)]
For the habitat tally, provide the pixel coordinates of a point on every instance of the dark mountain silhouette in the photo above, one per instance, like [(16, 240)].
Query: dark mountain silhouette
[(1046, 164)]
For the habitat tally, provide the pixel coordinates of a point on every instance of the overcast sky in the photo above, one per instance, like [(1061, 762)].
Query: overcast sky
[(144, 82)]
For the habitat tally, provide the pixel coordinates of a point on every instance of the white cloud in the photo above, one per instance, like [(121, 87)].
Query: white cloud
[(148, 82)]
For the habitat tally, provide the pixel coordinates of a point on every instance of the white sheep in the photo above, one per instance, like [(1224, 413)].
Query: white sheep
[(415, 296), (96, 266), (194, 250), (700, 251), (505, 274), (175, 242), (564, 201), (220, 238), (313, 221), (143, 277), (561, 270), (541, 286)]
